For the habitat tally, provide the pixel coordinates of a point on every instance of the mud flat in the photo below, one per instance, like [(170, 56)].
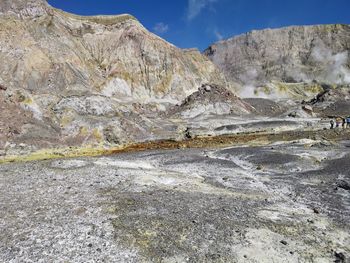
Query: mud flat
[(285, 201)]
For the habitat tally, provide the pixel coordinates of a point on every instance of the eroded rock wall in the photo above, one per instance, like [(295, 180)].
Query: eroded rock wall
[(287, 55), (83, 75)]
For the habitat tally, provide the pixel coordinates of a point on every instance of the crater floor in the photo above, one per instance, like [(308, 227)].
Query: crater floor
[(283, 202)]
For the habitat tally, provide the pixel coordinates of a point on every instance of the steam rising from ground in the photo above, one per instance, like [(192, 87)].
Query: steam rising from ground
[(336, 70), (249, 89), (333, 69)]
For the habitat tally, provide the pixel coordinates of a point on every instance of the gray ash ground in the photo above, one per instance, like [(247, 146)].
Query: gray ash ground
[(266, 107), (261, 125), (284, 202)]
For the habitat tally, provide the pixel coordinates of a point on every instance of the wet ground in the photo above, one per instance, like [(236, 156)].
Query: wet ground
[(282, 202)]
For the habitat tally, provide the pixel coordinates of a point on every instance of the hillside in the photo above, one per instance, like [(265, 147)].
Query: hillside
[(75, 80), (276, 59)]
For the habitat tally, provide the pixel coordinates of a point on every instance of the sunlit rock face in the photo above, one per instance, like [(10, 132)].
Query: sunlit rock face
[(289, 55), (23, 8), (97, 53), (78, 76)]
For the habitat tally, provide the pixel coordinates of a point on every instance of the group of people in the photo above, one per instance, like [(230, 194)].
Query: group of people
[(340, 122)]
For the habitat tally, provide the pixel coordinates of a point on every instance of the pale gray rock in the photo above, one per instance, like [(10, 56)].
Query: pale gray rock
[(211, 99), (23, 8), (65, 78), (292, 54), (183, 205)]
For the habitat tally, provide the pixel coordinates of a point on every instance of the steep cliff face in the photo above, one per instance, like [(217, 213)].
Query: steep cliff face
[(288, 55), (110, 54), (89, 78)]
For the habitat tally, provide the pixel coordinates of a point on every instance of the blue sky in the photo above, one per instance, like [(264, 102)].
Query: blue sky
[(198, 23)]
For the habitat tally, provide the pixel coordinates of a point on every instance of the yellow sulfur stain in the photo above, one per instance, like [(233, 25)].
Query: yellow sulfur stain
[(65, 120), (97, 135), (27, 101), (84, 131), (253, 139)]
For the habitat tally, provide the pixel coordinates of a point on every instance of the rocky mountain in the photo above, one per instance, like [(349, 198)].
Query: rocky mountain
[(271, 61), (69, 79)]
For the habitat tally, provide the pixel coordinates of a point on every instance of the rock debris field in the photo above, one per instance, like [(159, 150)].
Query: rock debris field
[(283, 202)]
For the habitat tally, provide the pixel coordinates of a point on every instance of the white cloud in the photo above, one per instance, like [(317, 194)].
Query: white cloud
[(218, 35), (161, 28), (196, 6)]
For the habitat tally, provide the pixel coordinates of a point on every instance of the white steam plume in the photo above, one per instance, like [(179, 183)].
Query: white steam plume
[(335, 66)]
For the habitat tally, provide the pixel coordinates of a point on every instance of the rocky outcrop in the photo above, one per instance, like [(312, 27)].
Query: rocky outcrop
[(288, 55), (211, 99), (90, 79), (23, 8), (332, 101)]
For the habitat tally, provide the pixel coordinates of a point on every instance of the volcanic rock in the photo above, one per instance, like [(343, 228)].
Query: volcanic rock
[(72, 77), (288, 54)]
